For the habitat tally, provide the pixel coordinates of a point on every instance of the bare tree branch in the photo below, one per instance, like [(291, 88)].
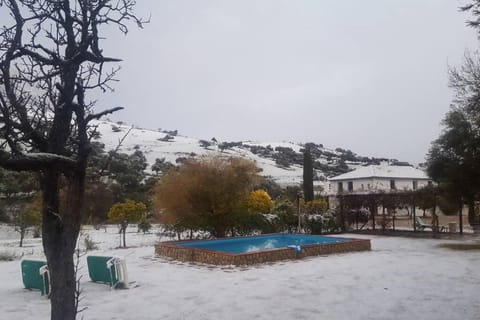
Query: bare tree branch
[(34, 161), (99, 115), (50, 59)]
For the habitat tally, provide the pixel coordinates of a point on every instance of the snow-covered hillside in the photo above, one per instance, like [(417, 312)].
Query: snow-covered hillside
[(280, 160)]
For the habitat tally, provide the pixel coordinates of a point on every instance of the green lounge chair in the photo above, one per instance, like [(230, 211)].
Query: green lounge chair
[(109, 270), (35, 275)]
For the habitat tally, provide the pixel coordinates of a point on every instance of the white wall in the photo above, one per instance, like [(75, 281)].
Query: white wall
[(375, 184)]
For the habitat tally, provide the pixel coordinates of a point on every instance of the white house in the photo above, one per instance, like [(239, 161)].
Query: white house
[(375, 178)]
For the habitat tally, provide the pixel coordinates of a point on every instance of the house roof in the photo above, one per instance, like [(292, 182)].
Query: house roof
[(383, 171)]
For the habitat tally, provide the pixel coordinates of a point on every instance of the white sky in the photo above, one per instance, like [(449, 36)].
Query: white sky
[(370, 76)]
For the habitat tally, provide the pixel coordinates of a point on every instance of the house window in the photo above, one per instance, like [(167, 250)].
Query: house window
[(350, 185), (430, 183), (392, 185), (415, 184), (340, 187)]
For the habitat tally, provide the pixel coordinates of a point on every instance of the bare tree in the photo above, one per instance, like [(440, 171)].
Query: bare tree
[(50, 58)]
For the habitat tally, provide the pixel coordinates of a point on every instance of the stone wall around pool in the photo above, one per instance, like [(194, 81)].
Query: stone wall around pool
[(187, 254)]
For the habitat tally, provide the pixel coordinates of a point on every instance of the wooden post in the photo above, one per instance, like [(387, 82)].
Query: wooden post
[(342, 214), (298, 211), (414, 216), (373, 217), (460, 219), (383, 217)]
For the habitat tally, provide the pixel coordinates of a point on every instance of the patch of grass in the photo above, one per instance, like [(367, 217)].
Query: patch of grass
[(461, 246)]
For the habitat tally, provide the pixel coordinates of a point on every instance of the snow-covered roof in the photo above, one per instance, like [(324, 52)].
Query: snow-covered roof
[(383, 171)]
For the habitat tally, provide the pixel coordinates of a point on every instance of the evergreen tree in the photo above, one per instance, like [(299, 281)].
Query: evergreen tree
[(128, 171), (161, 166), (454, 158), (307, 175)]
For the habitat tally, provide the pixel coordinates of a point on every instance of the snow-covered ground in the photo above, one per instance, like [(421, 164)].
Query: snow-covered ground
[(399, 279)]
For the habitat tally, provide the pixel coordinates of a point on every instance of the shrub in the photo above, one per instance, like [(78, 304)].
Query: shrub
[(8, 256), (204, 143), (249, 223), (3, 215), (89, 244), (171, 132), (314, 226), (286, 215), (28, 216), (144, 225), (259, 201), (317, 206), (166, 138), (181, 160), (330, 223), (37, 232), (161, 166), (206, 194)]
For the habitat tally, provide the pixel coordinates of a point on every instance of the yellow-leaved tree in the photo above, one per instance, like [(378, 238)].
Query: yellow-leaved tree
[(126, 212), (27, 216), (259, 201)]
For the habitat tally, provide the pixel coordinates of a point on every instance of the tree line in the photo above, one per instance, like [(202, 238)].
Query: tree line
[(454, 157)]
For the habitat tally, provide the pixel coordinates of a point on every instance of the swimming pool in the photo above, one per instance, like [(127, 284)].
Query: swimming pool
[(263, 242), (258, 249)]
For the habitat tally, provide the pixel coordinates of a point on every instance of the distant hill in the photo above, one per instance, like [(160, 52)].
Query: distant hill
[(280, 160)]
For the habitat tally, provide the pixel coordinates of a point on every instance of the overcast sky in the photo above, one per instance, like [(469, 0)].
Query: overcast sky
[(370, 76)]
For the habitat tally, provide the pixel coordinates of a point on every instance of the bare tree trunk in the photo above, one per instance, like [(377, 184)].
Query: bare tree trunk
[(460, 218), (22, 235), (373, 216), (342, 219), (414, 218), (471, 211), (435, 222), (384, 219), (63, 282), (60, 233), (219, 231), (47, 129)]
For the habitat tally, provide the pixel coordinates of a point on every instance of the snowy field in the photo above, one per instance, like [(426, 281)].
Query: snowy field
[(399, 279)]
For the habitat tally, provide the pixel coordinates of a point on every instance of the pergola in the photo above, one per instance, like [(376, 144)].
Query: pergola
[(353, 207)]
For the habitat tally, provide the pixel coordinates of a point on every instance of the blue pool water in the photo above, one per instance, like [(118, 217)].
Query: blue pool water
[(258, 243)]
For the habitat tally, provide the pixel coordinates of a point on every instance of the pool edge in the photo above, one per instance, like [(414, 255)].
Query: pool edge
[(170, 249)]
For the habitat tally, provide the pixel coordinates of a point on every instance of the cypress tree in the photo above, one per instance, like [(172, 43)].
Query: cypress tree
[(307, 175)]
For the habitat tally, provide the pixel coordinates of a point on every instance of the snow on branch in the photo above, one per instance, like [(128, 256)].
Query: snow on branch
[(97, 116), (35, 161)]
